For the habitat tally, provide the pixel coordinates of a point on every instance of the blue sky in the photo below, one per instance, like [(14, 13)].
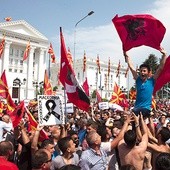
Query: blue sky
[(95, 34)]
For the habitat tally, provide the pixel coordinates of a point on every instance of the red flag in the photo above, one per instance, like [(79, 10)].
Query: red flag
[(86, 87), (118, 69), (84, 62), (4, 91), (33, 126), (69, 56), (51, 52), (164, 76), (137, 30), (26, 52), (74, 91), (2, 46), (48, 90), (98, 97), (108, 68), (8, 19), (98, 64), (117, 95), (17, 114)]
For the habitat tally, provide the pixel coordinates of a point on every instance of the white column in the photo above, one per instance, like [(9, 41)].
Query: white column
[(41, 65), (29, 83), (5, 57)]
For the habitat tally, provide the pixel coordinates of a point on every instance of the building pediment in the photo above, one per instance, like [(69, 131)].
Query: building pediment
[(22, 27)]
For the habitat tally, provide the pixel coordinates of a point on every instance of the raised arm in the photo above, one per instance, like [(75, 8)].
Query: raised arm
[(129, 62), (162, 63), (115, 141)]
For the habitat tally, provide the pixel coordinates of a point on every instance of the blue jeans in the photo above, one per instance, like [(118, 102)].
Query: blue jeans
[(145, 112)]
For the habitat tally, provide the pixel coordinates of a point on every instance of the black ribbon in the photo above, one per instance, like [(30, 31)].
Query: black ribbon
[(50, 109)]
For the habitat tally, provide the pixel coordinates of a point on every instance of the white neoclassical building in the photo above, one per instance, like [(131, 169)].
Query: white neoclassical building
[(101, 82), (17, 35), (31, 71)]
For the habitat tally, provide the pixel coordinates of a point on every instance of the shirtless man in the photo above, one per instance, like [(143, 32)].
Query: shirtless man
[(161, 146), (129, 152)]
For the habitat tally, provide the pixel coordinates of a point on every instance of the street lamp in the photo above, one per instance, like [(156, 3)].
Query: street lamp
[(17, 82), (90, 13)]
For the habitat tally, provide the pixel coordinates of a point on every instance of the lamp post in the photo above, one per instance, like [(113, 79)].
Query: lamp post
[(17, 82), (90, 13)]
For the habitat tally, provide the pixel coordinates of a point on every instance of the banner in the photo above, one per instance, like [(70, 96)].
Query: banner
[(50, 110)]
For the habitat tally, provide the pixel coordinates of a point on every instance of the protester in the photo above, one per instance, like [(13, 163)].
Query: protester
[(94, 157), (129, 151), (68, 156), (6, 151), (41, 160), (144, 84)]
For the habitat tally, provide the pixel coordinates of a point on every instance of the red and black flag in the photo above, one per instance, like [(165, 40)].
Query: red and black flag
[(75, 92), (98, 64), (137, 30), (84, 62), (118, 69), (51, 52)]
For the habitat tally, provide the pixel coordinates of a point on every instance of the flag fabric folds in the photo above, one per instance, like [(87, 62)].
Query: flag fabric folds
[(137, 30), (117, 95), (98, 64), (118, 69), (48, 90), (51, 52), (17, 114), (84, 62), (98, 97), (75, 92), (164, 77), (26, 52), (4, 91), (86, 87), (2, 46)]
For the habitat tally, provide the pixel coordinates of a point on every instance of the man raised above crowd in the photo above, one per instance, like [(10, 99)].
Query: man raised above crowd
[(144, 84)]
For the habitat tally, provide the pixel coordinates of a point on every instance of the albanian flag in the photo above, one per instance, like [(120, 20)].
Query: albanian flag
[(164, 77), (137, 30)]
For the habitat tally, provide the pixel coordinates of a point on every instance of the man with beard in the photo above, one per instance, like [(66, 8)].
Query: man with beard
[(144, 84)]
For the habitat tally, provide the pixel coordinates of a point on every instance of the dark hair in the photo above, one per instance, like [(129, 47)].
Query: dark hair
[(165, 134), (5, 147), (92, 123), (102, 132), (46, 142), (130, 138), (38, 158), (70, 167), (127, 167), (162, 161), (63, 144), (146, 66)]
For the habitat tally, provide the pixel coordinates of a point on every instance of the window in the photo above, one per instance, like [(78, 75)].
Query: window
[(15, 70), (10, 61), (21, 71), (10, 69), (16, 52), (11, 51), (16, 62), (21, 62)]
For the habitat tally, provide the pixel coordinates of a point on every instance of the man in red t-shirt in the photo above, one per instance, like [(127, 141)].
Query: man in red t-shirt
[(6, 151)]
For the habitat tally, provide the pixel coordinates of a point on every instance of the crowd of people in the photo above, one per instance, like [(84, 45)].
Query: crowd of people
[(98, 139), (133, 139)]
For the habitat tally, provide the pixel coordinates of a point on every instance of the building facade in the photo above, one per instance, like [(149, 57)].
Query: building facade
[(22, 76), (102, 82)]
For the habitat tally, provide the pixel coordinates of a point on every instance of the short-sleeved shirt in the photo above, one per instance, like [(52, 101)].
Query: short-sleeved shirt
[(144, 93), (6, 165), (90, 160), (58, 162)]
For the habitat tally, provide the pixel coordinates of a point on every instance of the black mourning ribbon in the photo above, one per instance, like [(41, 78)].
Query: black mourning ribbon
[(51, 111)]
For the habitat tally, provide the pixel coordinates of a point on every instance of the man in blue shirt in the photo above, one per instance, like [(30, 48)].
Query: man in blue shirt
[(144, 84)]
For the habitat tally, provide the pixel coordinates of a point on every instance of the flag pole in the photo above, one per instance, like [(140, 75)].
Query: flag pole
[(49, 73), (65, 110)]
